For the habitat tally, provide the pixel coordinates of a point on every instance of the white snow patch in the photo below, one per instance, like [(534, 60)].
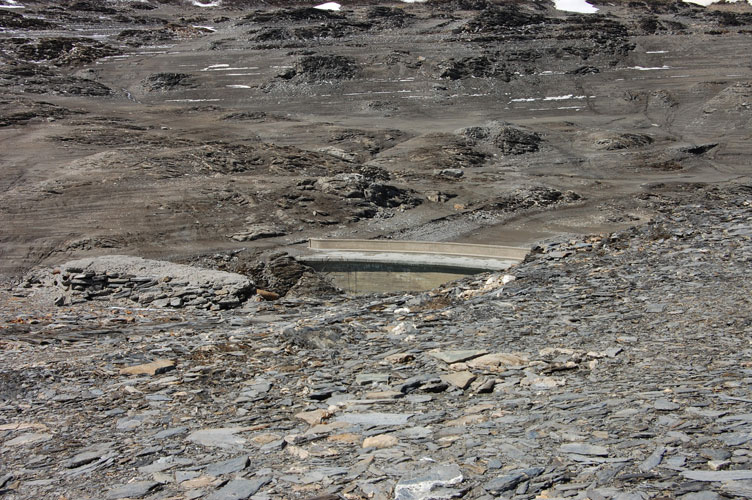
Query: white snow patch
[(227, 67), (11, 4), (238, 86), (580, 6), (657, 52), (642, 68), (524, 99), (413, 1), (193, 100), (207, 28), (216, 3), (329, 6)]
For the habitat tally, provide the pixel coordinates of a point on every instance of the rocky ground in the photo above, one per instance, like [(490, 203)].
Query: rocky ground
[(613, 366), (163, 161)]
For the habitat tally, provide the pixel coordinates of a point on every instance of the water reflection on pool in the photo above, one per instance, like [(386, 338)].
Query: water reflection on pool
[(363, 278)]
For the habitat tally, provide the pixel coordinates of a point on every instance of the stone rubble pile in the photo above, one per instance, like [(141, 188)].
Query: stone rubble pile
[(147, 283)]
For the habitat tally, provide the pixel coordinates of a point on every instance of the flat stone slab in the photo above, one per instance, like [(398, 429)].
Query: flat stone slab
[(451, 357), (153, 368), (375, 419), (136, 489), (717, 475), (459, 379), (30, 438), (430, 484), (584, 449), (223, 437), (238, 489), (498, 361)]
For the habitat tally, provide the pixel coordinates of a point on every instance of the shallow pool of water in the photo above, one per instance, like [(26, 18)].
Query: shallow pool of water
[(363, 278)]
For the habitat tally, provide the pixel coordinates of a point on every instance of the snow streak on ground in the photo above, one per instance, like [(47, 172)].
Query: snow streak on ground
[(329, 6), (580, 6)]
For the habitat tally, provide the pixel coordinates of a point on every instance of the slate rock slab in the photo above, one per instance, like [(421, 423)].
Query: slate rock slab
[(154, 368), (375, 418), (584, 449), (431, 484), (239, 489), (223, 437), (136, 489), (451, 357), (717, 475)]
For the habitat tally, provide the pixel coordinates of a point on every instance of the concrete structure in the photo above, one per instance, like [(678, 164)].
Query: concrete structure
[(422, 255)]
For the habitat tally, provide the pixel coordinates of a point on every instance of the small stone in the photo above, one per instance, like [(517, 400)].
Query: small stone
[(510, 480), (717, 476), (459, 379), (159, 465), (701, 495), (486, 386), (384, 395), (239, 489), (584, 449), (494, 464), (498, 361), (82, 459), (346, 437), (154, 368), (380, 441), (266, 438), (136, 489), (267, 295), (454, 173), (228, 466), (655, 308), (653, 460), (298, 452), (372, 378), (223, 437), (542, 382), (431, 484), (174, 431), (400, 358), (718, 464), (375, 419), (665, 405), (197, 482), (31, 438), (313, 417), (741, 489), (186, 475), (736, 438)]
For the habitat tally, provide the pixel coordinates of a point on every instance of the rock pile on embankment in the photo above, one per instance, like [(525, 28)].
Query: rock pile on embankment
[(145, 282)]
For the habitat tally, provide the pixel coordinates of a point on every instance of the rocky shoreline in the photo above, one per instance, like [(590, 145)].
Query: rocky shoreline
[(614, 366)]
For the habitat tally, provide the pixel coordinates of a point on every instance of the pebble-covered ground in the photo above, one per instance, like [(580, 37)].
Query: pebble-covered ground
[(613, 366)]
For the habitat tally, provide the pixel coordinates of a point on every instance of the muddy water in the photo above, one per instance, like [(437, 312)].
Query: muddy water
[(376, 277), (364, 282)]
